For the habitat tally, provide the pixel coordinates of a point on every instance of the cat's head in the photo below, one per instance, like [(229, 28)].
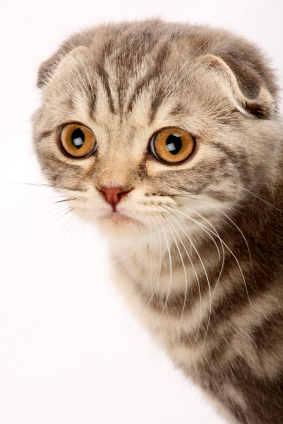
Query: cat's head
[(152, 121)]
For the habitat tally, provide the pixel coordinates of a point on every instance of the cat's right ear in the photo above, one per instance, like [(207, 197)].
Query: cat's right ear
[(49, 66)]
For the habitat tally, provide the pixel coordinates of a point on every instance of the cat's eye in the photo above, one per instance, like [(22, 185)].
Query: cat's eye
[(172, 145), (77, 140)]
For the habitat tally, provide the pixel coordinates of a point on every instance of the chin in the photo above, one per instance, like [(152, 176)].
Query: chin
[(120, 228), (116, 227)]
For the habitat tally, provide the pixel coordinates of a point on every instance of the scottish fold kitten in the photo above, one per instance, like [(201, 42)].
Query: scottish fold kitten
[(168, 138)]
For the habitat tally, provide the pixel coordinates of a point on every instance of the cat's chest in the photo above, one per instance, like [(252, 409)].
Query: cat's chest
[(155, 272), (169, 295)]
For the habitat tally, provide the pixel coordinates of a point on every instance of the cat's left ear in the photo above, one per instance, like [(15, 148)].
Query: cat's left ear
[(247, 87)]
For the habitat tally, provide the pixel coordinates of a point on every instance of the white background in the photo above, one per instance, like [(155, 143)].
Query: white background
[(70, 352)]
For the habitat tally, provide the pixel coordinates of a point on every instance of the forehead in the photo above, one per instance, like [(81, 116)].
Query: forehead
[(128, 82), (143, 95)]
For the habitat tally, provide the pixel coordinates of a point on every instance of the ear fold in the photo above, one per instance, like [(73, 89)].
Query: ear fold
[(48, 67), (248, 88)]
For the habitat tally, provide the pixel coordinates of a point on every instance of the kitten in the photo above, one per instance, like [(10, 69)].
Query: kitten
[(168, 137)]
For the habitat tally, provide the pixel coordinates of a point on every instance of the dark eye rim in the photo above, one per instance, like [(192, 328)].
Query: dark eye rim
[(60, 145), (152, 151)]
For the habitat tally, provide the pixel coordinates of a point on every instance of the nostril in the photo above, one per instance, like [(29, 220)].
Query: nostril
[(113, 195)]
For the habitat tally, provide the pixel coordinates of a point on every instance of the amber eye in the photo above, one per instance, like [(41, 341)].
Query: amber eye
[(77, 140), (172, 145)]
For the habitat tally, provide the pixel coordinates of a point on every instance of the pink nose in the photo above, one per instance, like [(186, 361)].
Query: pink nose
[(113, 195)]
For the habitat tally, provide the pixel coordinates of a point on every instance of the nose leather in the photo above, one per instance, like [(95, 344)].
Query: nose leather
[(113, 195)]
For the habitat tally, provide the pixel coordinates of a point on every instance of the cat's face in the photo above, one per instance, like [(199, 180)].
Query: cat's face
[(136, 137)]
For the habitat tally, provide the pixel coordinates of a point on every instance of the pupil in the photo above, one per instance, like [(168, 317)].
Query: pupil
[(78, 138), (174, 144)]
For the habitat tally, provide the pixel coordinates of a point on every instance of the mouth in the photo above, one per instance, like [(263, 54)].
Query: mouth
[(119, 218)]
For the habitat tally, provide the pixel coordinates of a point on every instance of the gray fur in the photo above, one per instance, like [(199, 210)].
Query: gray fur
[(197, 247)]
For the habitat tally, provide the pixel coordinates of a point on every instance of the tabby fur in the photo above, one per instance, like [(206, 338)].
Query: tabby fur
[(196, 247)]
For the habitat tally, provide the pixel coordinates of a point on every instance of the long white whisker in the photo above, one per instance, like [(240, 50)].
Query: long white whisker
[(236, 226), (207, 231), (70, 220), (265, 201), (232, 253), (59, 208), (197, 253), (170, 264), (21, 212), (159, 269), (209, 235), (229, 219), (196, 275), (68, 247), (185, 274), (33, 241)]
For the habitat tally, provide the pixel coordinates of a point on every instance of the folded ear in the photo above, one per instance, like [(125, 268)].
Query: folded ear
[(48, 67), (246, 85)]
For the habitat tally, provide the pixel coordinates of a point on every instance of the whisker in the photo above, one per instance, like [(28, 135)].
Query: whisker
[(20, 212), (195, 272), (68, 248), (221, 241), (26, 183), (28, 234), (207, 231), (65, 200), (70, 222), (245, 240), (231, 252), (159, 269), (222, 265), (170, 265), (265, 201), (9, 235), (198, 255), (185, 274), (71, 218), (229, 219), (210, 236)]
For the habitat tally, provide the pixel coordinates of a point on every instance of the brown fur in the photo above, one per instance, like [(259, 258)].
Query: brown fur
[(199, 254)]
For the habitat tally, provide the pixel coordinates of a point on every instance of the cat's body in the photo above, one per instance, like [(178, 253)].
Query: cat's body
[(196, 245)]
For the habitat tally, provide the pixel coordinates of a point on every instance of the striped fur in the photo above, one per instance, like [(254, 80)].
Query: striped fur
[(197, 247)]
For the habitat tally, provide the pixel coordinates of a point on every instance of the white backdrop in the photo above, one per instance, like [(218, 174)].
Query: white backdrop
[(70, 352)]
